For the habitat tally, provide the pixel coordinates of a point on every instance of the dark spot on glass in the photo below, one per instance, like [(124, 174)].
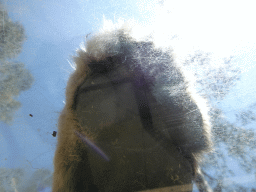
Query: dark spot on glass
[(54, 133)]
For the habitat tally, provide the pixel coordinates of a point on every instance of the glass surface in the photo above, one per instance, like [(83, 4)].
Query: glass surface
[(203, 35)]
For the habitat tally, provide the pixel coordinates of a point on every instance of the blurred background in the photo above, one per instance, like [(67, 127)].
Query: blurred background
[(214, 40)]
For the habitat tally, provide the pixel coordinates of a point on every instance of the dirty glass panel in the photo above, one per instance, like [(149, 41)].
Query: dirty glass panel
[(209, 43)]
